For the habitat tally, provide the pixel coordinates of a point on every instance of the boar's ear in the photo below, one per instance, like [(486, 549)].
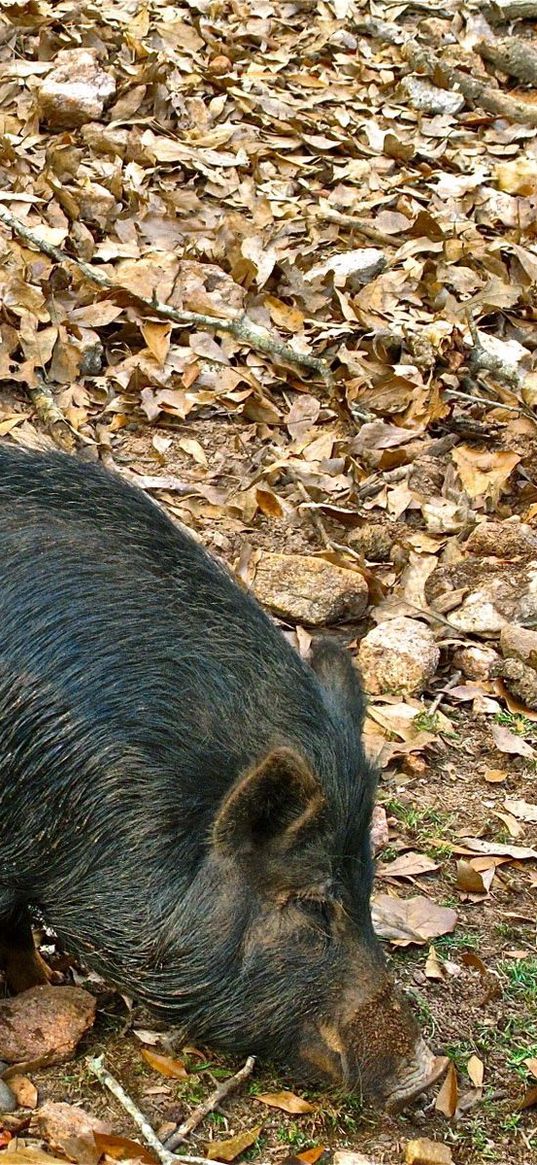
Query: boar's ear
[(272, 809), (339, 678)]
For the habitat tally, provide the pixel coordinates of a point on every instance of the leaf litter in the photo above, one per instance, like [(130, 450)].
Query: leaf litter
[(370, 211)]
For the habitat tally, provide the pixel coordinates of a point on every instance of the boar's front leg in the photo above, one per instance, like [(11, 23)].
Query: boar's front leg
[(19, 959)]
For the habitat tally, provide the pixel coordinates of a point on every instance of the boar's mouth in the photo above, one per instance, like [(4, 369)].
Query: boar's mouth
[(422, 1071)]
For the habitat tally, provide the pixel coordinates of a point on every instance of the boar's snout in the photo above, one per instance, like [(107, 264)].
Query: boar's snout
[(380, 1051), (413, 1078), (393, 1063)]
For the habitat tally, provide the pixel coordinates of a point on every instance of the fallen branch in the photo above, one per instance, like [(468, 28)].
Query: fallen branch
[(213, 1101), (433, 65), (242, 328), (517, 58), (477, 92), (503, 11), (96, 1066)]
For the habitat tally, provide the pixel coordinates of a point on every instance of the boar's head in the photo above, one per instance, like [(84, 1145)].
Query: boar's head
[(289, 966)]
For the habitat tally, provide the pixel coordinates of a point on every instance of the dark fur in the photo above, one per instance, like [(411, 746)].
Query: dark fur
[(138, 685)]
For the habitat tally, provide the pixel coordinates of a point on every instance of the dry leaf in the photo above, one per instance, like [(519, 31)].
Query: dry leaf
[(476, 1071), (287, 1101), (472, 881), (507, 741), (123, 1149), (166, 1065), (495, 776), (408, 865), (483, 472), (447, 1099), (524, 810), (410, 920), (228, 1150), (531, 1065), (434, 966), (311, 1156), (476, 845), (529, 1100)]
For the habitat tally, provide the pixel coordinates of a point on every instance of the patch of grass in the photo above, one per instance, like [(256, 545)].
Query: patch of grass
[(293, 1134), (462, 941), (480, 1140), (521, 978), (517, 1057), (424, 722), (520, 725), (420, 823)]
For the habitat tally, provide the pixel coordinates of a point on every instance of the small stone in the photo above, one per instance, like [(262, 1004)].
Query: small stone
[(44, 1024), (8, 1101), (425, 1152), (376, 541), (398, 657), (475, 662), (309, 590), (519, 643), (510, 540), (344, 1157), (490, 593), (427, 98), (69, 1130), (351, 268), (219, 66), (519, 665), (75, 91)]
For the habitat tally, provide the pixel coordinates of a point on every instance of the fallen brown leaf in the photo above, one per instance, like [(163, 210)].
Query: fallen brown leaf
[(166, 1065), (446, 1101), (123, 1149), (286, 1101), (411, 920), (229, 1149)]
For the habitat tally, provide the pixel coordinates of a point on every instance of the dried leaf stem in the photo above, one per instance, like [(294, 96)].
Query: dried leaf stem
[(213, 1101), (242, 328)]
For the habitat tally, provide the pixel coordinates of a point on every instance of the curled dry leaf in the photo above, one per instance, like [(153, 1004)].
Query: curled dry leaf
[(411, 920), (23, 1089), (435, 966), (286, 1101)]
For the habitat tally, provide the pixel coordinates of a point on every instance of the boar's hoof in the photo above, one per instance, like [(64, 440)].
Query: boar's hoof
[(421, 1072)]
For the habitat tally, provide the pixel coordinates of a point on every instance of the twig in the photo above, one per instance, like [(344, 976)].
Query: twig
[(482, 400), (243, 328), (51, 416), (213, 1101), (96, 1065), (438, 700)]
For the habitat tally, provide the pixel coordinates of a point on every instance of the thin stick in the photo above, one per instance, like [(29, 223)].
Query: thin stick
[(213, 1101), (243, 328), (96, 1065)]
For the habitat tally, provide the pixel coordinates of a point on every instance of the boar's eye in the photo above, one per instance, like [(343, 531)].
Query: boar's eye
[(319, 914)]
